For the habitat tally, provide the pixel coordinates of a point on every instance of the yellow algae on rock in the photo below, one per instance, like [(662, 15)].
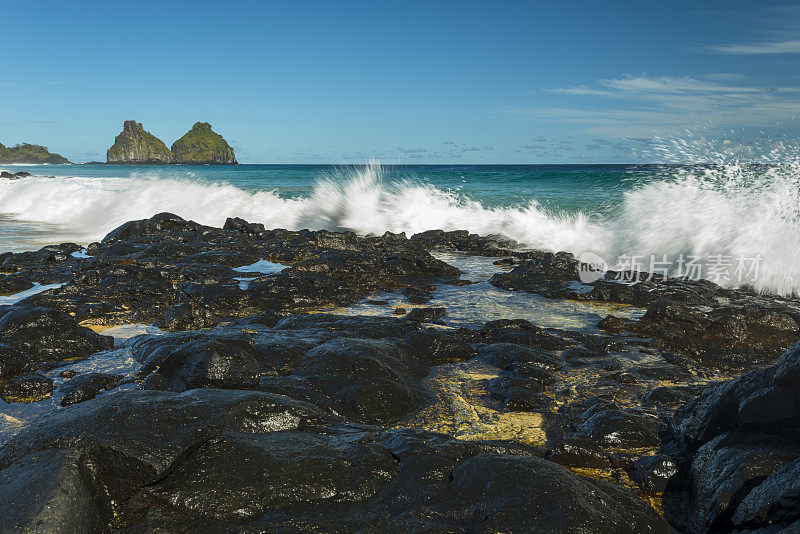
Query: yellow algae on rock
[(463, 408)]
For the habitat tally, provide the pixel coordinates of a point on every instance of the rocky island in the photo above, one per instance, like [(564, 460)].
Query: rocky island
[(27, 153), (200, 145), (319, 382), (135, 145)]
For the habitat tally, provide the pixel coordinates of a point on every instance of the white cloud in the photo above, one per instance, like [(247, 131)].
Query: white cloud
[(665, 105), (764, 47), (671, 84), (581, 90)]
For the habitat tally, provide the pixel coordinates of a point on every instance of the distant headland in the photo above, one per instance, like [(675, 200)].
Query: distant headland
[(27, 153), (200, 145)]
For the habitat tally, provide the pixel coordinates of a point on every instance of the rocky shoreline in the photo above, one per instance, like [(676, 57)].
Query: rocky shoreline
[(278, 386)]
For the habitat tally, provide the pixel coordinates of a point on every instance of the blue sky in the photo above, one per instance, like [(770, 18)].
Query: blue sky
[(403, 82)]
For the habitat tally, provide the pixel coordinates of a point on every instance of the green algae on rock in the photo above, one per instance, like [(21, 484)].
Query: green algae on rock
[(135, 145), (27, 153), (201, 145)]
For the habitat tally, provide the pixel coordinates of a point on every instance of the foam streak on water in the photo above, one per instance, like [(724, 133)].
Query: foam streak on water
[(36, 289), (727, 209)]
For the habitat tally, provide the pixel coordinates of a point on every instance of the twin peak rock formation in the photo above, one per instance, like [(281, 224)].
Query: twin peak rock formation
[(200, 145)]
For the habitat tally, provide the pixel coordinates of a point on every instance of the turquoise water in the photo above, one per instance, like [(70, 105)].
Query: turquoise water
[(593, 188), (611, 210)]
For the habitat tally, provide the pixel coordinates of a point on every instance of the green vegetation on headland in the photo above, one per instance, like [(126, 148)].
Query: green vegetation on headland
[(200, 145), (27, 153)]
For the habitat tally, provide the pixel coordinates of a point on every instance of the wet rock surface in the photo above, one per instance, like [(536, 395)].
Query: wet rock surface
[(740, 444), (44, 334), (282, 392), (87, 386), (27, 387), (222, 460), (717, 328)]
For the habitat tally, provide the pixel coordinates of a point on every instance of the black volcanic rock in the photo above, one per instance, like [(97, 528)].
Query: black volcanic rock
[(377, 379), (156, 223), (269, 383), (14, 175), (12, 361), (185, 361), (548, 274), (86, 387), (426, 315), (27, 387), (742, 444), (223, 461), (44, 334)]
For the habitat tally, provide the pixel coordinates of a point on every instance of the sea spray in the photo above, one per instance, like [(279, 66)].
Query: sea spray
[(727, 209)]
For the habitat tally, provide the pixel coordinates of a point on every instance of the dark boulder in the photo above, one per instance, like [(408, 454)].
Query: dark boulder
[(53, 492), (64, 473), (220, 257), (14, 175), (378, 379), (185, 361), (765, 400), (731, 467), (14, 283), (87, 386), (415, 295), (605, 432), (437, 347), (774, 501), (45, 334), (533, 372), (491, 493), (653, 473), (517, 394), (670, 397), (610, 291), (505, 355), (463, 241), (27, 387), (522, 332), (157, 223), (302, 390), (620, 428), (728, 338), (240, 225), (293, 289), (244, 476), (579, 451), (548, 274), (426, 315), (740, 440), (375, 268), (12, 361)]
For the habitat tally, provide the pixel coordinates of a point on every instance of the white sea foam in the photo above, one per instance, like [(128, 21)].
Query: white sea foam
[(728, 209), (261, 267), (35, 290)]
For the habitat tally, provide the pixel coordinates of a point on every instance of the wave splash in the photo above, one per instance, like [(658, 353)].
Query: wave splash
[(731, 210)]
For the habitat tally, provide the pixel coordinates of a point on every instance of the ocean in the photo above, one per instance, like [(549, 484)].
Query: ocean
[(719, 216)]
